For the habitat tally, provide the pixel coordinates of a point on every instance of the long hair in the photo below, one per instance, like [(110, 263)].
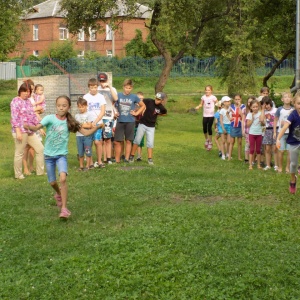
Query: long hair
[(73, 125)]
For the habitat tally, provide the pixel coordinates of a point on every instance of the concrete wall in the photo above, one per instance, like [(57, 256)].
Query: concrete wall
[(71, 85)]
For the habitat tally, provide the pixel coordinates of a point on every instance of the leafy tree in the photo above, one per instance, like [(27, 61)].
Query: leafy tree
[(175, 28), (62, 50), (11, 27), (137, 47)]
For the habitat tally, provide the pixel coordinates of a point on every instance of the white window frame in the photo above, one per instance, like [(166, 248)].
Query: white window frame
[(81, 35), (109, 53), (80, 53), (35, 53), (109, 33), (63, 33), (92, 33), (35, 32)]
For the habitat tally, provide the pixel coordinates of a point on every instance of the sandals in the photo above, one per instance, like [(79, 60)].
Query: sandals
[(82, 169), (101, 166)]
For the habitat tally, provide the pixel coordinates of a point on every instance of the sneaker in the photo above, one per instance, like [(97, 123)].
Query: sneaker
[(109, 162), (126, 161), (96, 165), (57, 198), (276, 168), (21, 177), (64, 213), (131, 158), (139, 159), (293, 187), (150, 161), (206, 144), (223, 157), (267, 168), (220, 153)]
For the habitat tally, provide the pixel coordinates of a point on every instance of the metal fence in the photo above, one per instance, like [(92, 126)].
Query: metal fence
[(7, 70), (137, 66)]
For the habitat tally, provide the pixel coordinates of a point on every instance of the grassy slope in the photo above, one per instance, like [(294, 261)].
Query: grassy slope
[(191, 227)]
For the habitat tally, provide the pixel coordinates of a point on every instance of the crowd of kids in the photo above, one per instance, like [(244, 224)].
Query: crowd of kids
[(269, 132), (114, 122)]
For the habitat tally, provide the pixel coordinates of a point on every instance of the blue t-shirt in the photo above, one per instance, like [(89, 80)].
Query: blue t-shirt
[(125, 104), (294, 133), (217, 117), (57, 136)]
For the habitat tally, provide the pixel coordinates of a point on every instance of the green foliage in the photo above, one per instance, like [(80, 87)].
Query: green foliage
[(8, 90), (62, 50), (137, 47), (92, 55)]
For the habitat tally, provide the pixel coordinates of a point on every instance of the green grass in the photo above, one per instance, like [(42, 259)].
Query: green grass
[(189, 227)]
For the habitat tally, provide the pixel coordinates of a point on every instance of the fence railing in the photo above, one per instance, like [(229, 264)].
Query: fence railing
[(137, 66)]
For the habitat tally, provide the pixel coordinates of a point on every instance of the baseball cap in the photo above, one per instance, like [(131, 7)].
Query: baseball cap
[(102, 77), (225, 99), (160, 96)]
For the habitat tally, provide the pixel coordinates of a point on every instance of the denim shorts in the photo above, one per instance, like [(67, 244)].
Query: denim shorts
[(97, 136), (51, 162), (283, 145), (84, 145)]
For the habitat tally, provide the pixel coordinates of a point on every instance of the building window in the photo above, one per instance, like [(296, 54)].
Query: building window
[(92, 34), (109, 33), (80, 53), (63, 33), (35, 32), (81, 35), (36, 52)]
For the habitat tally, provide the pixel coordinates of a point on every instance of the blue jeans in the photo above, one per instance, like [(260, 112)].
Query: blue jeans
[(51, 162)]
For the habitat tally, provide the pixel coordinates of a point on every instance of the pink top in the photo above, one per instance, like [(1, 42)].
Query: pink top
[(38, 98), (22, 113), (208, 104)]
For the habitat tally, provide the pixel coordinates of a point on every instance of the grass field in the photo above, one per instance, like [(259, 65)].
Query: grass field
[(189, 227)]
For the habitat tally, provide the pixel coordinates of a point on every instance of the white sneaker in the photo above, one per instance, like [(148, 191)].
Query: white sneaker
[(223, 157), (96, 165), (150, 161)]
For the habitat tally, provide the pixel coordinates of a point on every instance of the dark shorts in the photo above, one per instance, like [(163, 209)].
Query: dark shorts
[(124, 130)]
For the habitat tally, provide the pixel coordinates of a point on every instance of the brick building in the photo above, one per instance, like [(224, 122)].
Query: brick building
[(46, 25)]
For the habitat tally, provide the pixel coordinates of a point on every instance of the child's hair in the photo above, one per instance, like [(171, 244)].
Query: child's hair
[(208, 86), (264, 89), (140, 93), (286, 93), (92, 81), (253, 102), (81, 101), (37, 86), (24, 87), (73, 125), (296, 97), (128, 82), (237, 95), (267, 100), (29, 82)]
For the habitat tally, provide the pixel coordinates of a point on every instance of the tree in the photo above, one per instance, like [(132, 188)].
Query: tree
[(11, 27), (175, 28)]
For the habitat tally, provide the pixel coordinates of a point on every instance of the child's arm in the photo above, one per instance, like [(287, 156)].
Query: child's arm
[(275, 127), (140, 110), (250, 121), (216, 124), (100, 116), (200, 105), (33, 127), (90, 131), (262, 115), (243, 123), (281, 133)]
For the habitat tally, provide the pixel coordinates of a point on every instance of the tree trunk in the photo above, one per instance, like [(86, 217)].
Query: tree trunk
[(164, 75), (271, 73)]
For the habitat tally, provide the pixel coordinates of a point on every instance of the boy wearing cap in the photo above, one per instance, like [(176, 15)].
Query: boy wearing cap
[(110, 94), (147, 124), (126, 119)]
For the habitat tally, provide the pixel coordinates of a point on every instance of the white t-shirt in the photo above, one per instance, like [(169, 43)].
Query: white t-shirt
[(208, 104), (83, 118), (256, 127), (110, 110), (282, 115), (95, 102), (223, 112)]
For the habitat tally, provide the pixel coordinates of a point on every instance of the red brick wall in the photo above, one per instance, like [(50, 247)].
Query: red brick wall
[(49, 33)]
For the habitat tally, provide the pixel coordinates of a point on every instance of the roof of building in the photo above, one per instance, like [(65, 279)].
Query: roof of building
[(52, 8)]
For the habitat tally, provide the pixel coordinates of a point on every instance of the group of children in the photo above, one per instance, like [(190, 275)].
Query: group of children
[(103, 115), (268, 131)]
